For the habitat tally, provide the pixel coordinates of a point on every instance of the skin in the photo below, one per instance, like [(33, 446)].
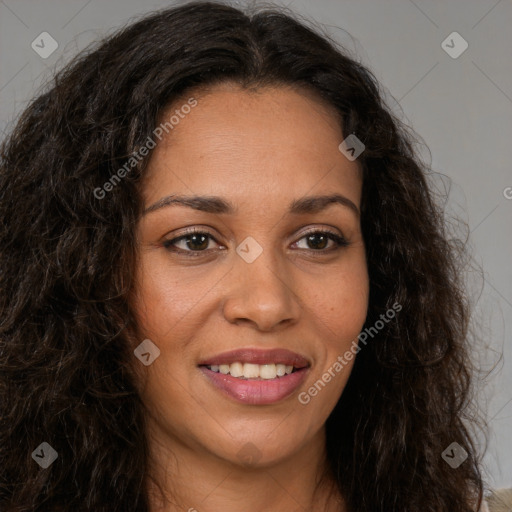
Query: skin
[(259, 150)]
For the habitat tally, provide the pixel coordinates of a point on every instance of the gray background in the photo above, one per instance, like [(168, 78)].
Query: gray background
[(462, 109)]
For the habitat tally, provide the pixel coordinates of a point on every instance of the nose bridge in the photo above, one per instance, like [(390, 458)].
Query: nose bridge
[(260, 291)]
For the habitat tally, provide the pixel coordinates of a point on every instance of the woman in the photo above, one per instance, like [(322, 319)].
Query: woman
[(226, 284)]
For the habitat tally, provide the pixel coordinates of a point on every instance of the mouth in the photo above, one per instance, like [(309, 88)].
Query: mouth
[(256, 377)]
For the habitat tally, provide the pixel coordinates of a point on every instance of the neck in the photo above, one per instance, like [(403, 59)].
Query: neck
[(203, 482)]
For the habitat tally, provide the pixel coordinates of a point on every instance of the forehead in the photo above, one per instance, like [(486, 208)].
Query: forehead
[(234, 141)]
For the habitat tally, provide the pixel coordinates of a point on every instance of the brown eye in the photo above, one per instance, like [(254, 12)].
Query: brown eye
[(319, 240), (193, 242)]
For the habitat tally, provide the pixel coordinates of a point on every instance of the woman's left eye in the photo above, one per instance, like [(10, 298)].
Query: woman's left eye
[(197, 242), (322, 238)]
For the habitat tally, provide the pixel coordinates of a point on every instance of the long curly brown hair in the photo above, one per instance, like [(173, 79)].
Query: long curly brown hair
[(68, 259)]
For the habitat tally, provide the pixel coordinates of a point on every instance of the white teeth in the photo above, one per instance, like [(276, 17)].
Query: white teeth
[(253, 371), (280, 370), (237, 370), (268, 371)]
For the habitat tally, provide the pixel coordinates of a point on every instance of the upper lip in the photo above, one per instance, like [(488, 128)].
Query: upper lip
[(258, 356)]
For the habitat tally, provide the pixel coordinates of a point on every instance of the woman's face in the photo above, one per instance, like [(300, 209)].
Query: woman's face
[(255, 280)]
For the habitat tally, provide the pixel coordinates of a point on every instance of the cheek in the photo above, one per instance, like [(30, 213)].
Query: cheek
[(340, 303), (166, 296), (339, 308), (339, 313)]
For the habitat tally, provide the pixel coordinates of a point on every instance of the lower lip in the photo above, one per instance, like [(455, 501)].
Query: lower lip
[(256, 392)]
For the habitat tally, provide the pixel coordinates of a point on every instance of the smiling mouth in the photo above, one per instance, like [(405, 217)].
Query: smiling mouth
[(255, 384), (254, 376), (251, 371)]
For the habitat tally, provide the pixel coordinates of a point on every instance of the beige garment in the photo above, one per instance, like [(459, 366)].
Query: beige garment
[(500, 500)]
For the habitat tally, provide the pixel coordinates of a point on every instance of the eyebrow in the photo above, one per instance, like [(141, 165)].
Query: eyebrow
[(214, 204)]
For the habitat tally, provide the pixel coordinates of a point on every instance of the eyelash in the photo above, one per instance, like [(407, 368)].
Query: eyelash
[(337, 239)]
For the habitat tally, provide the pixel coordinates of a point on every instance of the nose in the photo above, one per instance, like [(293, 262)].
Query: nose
[(261, 293)]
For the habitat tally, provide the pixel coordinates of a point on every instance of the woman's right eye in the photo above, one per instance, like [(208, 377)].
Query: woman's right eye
[(193, 243)]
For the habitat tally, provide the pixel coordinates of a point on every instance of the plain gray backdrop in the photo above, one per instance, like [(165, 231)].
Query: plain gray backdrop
[(461, 106)]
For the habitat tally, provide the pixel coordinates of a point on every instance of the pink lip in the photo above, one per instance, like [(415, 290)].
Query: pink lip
[(256, 391), (258, 356)]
